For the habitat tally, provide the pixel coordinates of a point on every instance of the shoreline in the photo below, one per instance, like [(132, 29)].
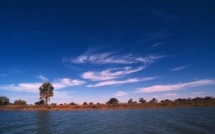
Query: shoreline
[(95, 107)]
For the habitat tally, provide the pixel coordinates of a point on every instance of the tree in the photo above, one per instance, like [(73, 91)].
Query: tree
[(85, 103), (141, 100), (4, 100), (20, 102), (153, 100), (113, 101), (166, 101), (130, 101), (72, 103), (91, 103), (46, 91)]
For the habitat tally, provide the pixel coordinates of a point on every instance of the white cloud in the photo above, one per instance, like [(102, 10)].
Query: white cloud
[(66, 82), (120, 93), (180, 68), (115, 82), (43, 78), (26, 87), (161, 88), (170, 94), (34, 87), (109, 74), (110, 58)]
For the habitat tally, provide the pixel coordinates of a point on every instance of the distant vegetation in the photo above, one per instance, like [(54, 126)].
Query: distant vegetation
[(113, 103), (46, 91), (20, 102), (4, 100)]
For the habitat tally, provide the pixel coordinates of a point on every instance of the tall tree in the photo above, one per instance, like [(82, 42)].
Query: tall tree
[(46, 91)]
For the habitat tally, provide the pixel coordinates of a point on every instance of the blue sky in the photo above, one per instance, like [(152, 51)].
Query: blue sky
[(94, 50)]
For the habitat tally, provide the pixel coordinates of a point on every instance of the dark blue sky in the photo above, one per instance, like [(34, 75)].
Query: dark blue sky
[(94, 50)]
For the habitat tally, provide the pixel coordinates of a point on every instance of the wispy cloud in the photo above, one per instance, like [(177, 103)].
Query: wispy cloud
[(170, 94), (180, 68), (66, 82), (110, 73), (120, 93), (26, 87), (118, 82), (34, 87), (155, 45), (110, 58), (161, 88), (43, 78)]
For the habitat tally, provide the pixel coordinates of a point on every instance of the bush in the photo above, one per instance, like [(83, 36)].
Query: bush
[(4, 100), (41, 102), (72, 103), (85, 103), (113, 101), (20, 102)]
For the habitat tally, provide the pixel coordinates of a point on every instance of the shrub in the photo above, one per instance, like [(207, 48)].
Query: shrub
[(20, 102), (113, 101), (4, 100)]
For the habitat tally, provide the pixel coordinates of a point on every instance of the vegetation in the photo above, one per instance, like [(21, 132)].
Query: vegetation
[(46, 91), (4, 100), (72, 103), (85, 103), (142, 101), (113, 101), (153, 100), (20, 102), (130, 101), (41, 102)]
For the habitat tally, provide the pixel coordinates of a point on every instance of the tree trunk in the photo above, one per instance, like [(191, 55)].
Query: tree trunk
[(46, 101)]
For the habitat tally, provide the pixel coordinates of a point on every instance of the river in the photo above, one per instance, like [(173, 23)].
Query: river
[(166, 121)]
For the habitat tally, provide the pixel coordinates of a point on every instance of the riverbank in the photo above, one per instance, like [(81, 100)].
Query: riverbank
[(104, 106)]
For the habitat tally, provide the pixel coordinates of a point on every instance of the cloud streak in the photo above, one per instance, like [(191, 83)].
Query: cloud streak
[(109, 73), (180, 68), (118, 82), (110, 58), (120, 93), (163, 88), (34, 87), (170, 94), (43, 78)]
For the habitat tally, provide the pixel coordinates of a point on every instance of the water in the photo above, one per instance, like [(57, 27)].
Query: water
[(167, 121)]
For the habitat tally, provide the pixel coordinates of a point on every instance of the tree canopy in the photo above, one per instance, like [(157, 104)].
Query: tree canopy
[(130, 101), (113, 101), (4, 100), (20, 102), (142, 100), (46, 91)]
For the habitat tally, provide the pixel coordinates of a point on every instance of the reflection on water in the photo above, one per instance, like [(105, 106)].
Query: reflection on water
[(175, 120), (43, 122)]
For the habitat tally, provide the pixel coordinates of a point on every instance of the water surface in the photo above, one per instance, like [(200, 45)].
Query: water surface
[(167, 121)]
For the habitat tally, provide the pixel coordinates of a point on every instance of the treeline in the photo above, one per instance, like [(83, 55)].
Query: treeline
[(198, 101), (6, 101)]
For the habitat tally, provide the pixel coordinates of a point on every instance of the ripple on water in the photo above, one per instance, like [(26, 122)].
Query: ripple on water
[(175, 120)]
